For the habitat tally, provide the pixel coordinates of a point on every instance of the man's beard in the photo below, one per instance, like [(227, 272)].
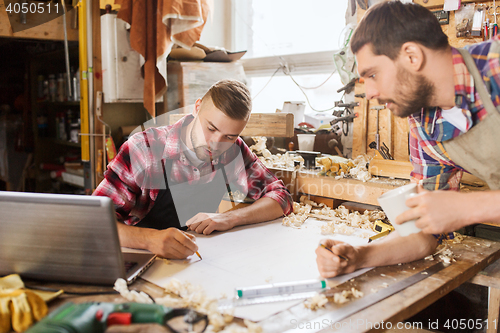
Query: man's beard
[(415, 92)]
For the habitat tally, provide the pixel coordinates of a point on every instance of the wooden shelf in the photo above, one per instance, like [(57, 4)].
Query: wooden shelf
[(67, 103), (62, 142)]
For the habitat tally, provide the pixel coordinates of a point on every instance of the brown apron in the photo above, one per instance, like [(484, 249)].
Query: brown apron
[(478, 150)]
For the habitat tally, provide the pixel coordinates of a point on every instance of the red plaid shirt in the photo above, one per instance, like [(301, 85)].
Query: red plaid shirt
[(135, 175)]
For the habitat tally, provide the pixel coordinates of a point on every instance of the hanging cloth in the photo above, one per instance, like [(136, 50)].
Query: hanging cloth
[(155, 25)]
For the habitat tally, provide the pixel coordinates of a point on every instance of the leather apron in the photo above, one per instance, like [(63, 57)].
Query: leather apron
[(478, 150), (179, 202)]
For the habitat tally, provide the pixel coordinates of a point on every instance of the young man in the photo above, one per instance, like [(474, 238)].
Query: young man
[(175, 176), (408, 64)]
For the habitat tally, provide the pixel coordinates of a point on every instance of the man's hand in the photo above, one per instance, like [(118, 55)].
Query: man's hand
[(172, 243), (206, 223), (330, 264), (437, 211)]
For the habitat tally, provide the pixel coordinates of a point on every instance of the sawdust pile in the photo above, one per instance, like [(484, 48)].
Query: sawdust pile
[(344, 221), (185, 295), (339, 167)]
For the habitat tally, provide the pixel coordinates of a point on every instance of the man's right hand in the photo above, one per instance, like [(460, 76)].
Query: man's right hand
[(172, 243), (330, 264)]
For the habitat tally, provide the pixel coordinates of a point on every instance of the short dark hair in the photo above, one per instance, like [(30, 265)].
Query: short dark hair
[(231, 97), (388, 25)]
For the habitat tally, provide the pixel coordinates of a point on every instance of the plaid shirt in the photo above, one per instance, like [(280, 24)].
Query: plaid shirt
[(135, 175), (429, 129)]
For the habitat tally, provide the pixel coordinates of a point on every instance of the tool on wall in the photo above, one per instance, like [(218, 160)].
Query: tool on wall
[(383, 150), (493, 27), (345, 116)]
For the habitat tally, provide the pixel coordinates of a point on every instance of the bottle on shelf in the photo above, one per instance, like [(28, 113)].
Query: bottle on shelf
[(76, 85), (52, 88), (61, 90), (61, 127)]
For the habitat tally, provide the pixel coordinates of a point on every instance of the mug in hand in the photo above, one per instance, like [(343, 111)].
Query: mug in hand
[(394, 203)]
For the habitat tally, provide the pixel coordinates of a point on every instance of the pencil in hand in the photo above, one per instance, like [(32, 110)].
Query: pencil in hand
[(328, 249), (198, 254)]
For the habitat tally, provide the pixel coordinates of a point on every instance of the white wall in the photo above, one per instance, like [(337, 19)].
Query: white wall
[(217, 30)]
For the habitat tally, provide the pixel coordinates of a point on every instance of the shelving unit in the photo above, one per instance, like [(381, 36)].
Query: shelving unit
[(50, 151)]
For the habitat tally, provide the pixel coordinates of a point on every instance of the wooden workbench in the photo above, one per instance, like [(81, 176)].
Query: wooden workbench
[(473, 255)]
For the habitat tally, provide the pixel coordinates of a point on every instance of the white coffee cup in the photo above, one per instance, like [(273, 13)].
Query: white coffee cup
[(394, 203)]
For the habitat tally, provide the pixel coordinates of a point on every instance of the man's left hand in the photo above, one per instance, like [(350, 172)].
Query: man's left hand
[(437, 211), (206, 223)]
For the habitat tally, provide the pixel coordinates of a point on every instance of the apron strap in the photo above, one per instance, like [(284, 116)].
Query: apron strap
[(478, 80)]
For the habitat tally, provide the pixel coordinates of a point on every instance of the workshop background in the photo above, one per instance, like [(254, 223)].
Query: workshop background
[(72, 91)]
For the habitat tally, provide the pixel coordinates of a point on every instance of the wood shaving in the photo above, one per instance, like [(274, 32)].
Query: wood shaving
[(294, 220), (342, 220), (347, 295), (316, 302), (185, 295), (339, 167), (285, 161), (444, 253), (458, 238), (131, 295)]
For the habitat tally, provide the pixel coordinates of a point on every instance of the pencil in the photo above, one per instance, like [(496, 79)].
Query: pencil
[(198, 254), (328, 249)]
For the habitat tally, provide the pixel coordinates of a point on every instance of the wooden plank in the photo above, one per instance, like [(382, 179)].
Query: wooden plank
[(359, 145), (493, 310), (345, 189), (400, 139), (390, 168), (51, 30), (260, 124)]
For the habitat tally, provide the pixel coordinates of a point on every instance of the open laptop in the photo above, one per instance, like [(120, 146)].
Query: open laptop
[(67, 238)]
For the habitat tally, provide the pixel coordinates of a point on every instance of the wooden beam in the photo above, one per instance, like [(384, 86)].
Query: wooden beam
[(260, 124), (35, 28), (345, 189)]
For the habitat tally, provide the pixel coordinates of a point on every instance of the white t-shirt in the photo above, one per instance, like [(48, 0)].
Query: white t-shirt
[(455, 117)]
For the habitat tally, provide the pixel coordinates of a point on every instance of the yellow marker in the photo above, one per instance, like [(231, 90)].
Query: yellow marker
[(341, 257)]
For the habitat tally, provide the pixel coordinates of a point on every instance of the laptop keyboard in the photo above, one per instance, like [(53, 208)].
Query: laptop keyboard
[(129, 265)]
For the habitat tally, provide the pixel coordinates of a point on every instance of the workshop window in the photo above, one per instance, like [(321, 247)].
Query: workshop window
[(282, 88), (269, 28), (304, 37)]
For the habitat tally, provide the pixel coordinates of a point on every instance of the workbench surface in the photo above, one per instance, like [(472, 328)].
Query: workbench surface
[(472, 256)]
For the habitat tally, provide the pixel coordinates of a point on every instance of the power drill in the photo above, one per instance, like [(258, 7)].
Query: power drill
[(95, 317)]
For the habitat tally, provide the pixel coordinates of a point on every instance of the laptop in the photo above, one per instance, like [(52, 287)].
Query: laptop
[(67, 238)]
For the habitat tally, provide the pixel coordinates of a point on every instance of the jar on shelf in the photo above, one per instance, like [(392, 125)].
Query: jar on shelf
[(74, 133)]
